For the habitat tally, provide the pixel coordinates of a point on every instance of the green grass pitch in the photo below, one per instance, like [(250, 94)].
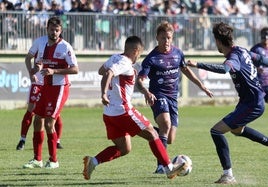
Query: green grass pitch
[(84, 134)]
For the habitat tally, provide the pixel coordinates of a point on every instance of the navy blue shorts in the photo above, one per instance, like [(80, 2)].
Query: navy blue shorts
[(243, 114), (164, 104)]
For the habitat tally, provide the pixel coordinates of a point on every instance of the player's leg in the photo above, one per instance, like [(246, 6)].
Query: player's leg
[(160, 152), (27, 118), (164, 125), (122, 147), (25, 125), (51, 142), (121, 140), (166, 115), (57, 96), (222, 148), (174, 119), (38, 138), (58, 128), (254, 135), (248, 132), (172, 134), (234, 122), (140, 125)]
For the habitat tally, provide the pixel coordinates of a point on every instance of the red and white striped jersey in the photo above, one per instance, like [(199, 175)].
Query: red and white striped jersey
[(58, 56), (122, 85)]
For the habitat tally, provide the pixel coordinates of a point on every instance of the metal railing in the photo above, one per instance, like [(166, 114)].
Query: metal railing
[(107, 32)]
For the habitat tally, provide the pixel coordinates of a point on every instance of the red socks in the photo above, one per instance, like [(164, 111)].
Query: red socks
[(108, 154), (26, 123), (52, 146), (159, 151), (38, 139)]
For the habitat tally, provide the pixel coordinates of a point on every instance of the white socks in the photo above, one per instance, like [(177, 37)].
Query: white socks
[(228, 172)]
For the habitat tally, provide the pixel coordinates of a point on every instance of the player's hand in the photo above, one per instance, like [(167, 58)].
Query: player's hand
[(104, 99), (47, 71), (33, 78), (38, 66), (191, 63), (208, 92), (149, 98)]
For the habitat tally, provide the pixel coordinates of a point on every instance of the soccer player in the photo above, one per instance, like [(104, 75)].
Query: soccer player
[(55, 59), (239, 64), (121, 119), (163, 66), (262, 49)]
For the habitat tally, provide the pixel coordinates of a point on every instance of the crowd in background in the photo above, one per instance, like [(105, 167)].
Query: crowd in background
[(159, 7), (251, 12)]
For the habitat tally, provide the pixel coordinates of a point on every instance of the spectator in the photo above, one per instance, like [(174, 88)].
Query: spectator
[(172, 8), (203, 27), (9, 23), (263, 13), (209, 4), (74, 25), (223, 7), (9, 5), (158, 7), (192, 5), (255, 22), (2, 9), (244, 6), (56, 8), (100, 5), (66, 5)]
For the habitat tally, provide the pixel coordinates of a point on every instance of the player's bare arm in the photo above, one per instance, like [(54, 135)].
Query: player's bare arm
[(192, 77), (102, 70), (28, 62), (105, 82), (149, 97), (50, 71), (31, 69)]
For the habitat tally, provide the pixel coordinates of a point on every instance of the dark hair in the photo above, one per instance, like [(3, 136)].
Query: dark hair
[(133, 41), (55, 21), (264, 33), (224, 33)]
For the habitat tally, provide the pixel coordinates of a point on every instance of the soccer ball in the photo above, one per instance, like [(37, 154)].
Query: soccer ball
[(187, 168)]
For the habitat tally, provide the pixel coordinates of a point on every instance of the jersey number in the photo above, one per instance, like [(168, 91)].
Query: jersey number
[(253, 69)]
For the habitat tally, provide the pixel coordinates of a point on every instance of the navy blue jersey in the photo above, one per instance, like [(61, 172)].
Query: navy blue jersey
[(163, 70), (262, 70), (244, 75), (259, 49)]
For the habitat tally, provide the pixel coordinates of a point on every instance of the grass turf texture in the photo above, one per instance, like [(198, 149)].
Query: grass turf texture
[(84, 134)]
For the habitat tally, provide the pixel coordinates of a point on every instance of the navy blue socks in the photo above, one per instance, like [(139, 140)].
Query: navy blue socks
[(254, 136), (222, 148)]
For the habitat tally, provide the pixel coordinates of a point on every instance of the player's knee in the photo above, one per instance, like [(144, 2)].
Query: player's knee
[(164, 130), (237, 131), (125, 151)]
